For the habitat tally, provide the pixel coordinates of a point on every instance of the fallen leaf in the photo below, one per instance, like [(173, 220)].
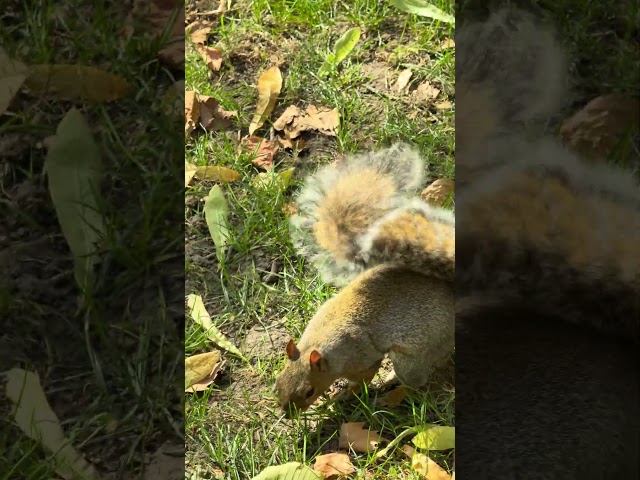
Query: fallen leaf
[(289, 209), (216, 173), (212, 116), (288, 471), (403, 79), (73, 82), (342, 48), (167, 463), (354, 436), (191, 111), (426, 92), (12, 74), (424, 9), (211, 56), (435, 437), (216, 213), (447, 44), (74, 171), (269, 86), (393, 398), (189, 172), (596, 130), (261, 150), (200, 315), (333, 465), (408, 450), (287, 143), (428, 468), (444, 105), (270, 179), (198, 31), (33, 415), (293, 121), (200, 370), (438, 192)]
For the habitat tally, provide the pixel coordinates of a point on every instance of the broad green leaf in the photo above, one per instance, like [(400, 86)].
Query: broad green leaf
[(33, 415), (12, 75), (436, 437), (215, 213), (72, 82), (288, 471), (342, 48), (74, 169), (200, 315), (424, 9)]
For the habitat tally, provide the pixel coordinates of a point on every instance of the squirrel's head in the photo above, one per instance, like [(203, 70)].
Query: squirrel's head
[(305, 377)]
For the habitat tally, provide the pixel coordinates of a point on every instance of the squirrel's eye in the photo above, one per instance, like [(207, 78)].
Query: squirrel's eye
[(309, 393)]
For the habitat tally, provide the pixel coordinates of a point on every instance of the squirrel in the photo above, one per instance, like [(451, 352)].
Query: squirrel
[(547, 272), (363, 225)]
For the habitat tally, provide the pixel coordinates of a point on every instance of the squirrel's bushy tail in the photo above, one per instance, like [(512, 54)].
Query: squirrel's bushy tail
[(365, 211)]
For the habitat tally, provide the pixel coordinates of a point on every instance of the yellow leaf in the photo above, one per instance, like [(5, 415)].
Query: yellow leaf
[(189, 172), (71, 82), (428, 468), (198, 368), (436, 437), (217, 174), (12, 75), (269, 86)]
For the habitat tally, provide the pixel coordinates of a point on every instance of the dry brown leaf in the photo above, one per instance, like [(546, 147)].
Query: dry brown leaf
[(393, 397), (444, 105), (191, 111), (403, 79), (596, 130), (71, 82), (294, 121), (289, 209), (447, 44), (212, 116), (334, 465), (283, 142), (408, 450), (261, 150), (201, 370), (269, 87), (198, 31), (438, 191), (428, 468), (212, 57), (354, 436), (426, 92), (189, 172)]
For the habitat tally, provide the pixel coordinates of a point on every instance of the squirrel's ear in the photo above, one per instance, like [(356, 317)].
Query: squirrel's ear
[(316, 359), (292, 351)]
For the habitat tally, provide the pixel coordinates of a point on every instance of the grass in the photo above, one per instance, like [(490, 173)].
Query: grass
[(111, 369), (263, 292)]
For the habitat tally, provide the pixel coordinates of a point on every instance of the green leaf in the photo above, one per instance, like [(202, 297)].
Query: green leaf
[(215, 213), (288, 471), (270, 179), (435, 437), (200, 315), (74, 169), (424, 9), (342, 48)]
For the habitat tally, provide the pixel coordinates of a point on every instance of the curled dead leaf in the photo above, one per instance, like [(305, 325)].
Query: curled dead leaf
[(333, 466), (198, 31), (212, 116), (191, 111), (428, 468), (261, 150), (602, 125), (212, 57), (354, 436), (444, 105), (294, 121), (438, 192), (269, 87), (393, 397), (403, 79)]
